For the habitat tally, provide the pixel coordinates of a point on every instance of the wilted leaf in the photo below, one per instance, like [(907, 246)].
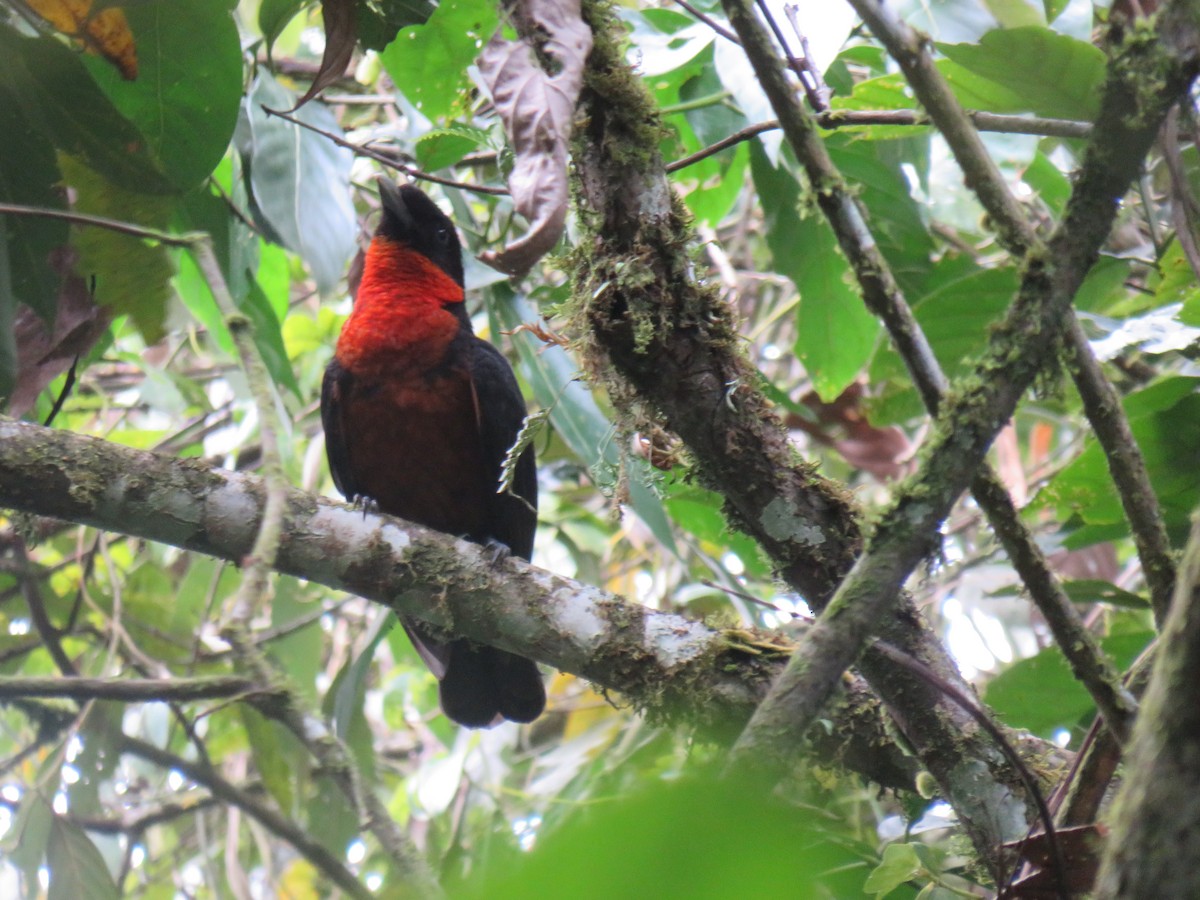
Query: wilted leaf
[(105, 33), (341, 35), (536, 108), (43, 353)]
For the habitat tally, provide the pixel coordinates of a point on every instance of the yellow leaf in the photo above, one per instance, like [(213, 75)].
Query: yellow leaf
[(106, 33)]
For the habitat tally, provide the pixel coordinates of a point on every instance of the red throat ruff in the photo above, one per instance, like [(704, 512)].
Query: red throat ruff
[(400, 306)]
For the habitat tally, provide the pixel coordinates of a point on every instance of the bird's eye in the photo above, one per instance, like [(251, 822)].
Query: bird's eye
[(442, 235)]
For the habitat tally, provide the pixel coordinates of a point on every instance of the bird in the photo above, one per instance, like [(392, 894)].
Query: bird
[(419, 414)]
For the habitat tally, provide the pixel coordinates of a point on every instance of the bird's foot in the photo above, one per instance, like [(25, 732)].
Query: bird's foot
[(366, 504), (497, 551)]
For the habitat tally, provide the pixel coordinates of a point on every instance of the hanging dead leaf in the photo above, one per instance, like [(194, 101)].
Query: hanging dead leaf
[(341, 35), (536, 107), (105, 32), (1080, 847), (43, 353)]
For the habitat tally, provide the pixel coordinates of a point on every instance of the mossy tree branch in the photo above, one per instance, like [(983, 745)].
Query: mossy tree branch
[(1101, 404), (1149, 72), (883, 297), (672, 667), (667, 349)]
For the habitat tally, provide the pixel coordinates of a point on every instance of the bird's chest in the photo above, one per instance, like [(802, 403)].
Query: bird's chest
[(413, 441)]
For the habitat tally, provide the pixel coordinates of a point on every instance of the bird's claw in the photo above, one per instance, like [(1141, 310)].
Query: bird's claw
[(497, 551)]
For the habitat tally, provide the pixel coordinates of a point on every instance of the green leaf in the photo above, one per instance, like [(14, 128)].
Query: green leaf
[(60, 98), (274, 765), (836, 334), (380, 20), (1048, 182), (349, 691), (8, 311), (703, 837), (268, 338), (698, 512), (28, 178), (1031, 69), (1165, 420), (1015, 13), (1040, 694), (429, 62), (574, 413), (25, 843), (77, 870), (236, 249), (1094, 590), (1054, 8), (299, 652), (900, 864), (300, 180), (876, 170), (131, 276), (444, 147), (274, 16), (189, 85)]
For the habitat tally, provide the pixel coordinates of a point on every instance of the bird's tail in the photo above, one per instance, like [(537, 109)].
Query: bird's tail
[(483, 684)]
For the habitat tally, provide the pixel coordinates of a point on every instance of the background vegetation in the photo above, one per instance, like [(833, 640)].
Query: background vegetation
[(727, 243)]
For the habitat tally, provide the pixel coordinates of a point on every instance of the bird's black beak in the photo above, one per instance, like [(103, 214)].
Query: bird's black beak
[(394, 205)]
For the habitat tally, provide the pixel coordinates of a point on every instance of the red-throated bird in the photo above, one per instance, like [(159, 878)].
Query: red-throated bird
[(419, 414)]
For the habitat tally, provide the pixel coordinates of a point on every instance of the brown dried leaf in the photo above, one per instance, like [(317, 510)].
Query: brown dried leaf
[(341, 35), (43, 354), (536, 107), (105, 33), (1080, 847)]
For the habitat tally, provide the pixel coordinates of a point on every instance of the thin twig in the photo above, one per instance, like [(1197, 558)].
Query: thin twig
[(385, 160), (131, 690), (709, 21), (847, 118), (309, 847)]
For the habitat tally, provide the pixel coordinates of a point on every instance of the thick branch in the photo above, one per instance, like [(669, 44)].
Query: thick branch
[(682, 668), (883, 297), (1155, 837), (676, 356), (1129, 118), (1101, 404)]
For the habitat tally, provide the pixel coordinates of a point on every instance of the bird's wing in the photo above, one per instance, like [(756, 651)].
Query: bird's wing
[(512, 517), (334, 389)]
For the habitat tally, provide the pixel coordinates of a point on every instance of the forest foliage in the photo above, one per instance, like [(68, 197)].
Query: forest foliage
[(264, 125)]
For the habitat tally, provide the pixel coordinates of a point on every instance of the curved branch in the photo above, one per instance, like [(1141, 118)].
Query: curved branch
[(1129, 118), (667, 348), (684, 669), (1101, 404)]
